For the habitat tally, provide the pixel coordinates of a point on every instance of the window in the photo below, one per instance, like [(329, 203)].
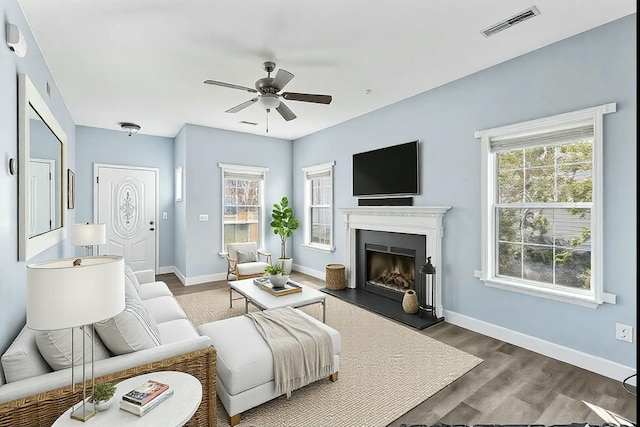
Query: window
[(318, 206), (542, 207), (242, 204)]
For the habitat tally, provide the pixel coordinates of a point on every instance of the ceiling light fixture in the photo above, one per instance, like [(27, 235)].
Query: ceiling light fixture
[(130, 128), (269, 101)]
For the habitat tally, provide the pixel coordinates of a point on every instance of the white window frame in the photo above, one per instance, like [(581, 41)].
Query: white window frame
[(249, 171), (309, 173), (589, 298)]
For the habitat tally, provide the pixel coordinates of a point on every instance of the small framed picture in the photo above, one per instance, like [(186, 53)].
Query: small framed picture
[(71, 189)]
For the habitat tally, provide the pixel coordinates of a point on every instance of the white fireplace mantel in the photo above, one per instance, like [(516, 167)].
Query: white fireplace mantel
[(423, 220)]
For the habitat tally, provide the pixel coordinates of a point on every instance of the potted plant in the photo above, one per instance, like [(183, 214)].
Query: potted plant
[(102, 395), (277, 275), (284, 223)]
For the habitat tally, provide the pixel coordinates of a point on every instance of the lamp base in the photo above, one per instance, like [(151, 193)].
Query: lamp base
[(83, 412)]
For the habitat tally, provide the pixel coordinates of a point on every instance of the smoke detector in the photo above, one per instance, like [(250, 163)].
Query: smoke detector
[(510, 22)]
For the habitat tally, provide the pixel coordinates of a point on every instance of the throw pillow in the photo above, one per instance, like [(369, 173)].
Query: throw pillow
[(247, 256), (130, 276), (55, 347), (132, 330), (22, 359)]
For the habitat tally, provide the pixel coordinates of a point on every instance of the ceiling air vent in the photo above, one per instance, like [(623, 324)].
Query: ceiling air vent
[(244, 122), (510, 22)]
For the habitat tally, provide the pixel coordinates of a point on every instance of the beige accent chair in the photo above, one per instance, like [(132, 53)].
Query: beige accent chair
[(245, 260)]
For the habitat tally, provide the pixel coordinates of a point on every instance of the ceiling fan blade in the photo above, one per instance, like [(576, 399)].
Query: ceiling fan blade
[(229, 85), (241, 106), (285, 112), (281, 79), (307, 97)]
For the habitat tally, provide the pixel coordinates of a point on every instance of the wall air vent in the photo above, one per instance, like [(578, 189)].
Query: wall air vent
[(244, 122), (510, 22)]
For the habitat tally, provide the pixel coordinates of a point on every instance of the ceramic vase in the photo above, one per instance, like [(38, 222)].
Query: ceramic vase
[(410, 302), (103, 405), (278, 280)]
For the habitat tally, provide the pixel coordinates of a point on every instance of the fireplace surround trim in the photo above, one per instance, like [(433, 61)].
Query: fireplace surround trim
[(423, 220)]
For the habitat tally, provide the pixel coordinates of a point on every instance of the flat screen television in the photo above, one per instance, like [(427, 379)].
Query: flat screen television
[(387, 171)]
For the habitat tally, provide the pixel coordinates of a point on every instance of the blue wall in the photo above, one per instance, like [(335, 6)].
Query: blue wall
[(589, 69), (12, 272), (204, 149), (118, 148)]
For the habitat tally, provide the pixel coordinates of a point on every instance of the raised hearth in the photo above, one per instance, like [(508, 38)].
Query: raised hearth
[(425, 222)]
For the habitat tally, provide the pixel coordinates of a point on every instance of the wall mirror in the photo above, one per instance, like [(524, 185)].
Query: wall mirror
[(42, 178)]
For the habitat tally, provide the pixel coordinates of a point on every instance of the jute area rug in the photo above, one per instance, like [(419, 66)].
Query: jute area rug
[(386, 368)]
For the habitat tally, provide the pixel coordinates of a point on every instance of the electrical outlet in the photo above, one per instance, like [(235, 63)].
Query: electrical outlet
[(624, 332), (203, 217)]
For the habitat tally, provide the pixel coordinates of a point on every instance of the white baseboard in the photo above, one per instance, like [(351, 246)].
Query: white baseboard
[(309, 271), (167, 270), (205, 278), (577, 358)]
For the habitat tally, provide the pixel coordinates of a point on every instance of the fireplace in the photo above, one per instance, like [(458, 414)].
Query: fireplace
[(388, 264), (385, 248)]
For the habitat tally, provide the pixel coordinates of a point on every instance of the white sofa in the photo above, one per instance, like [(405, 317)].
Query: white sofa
[(30, 387)]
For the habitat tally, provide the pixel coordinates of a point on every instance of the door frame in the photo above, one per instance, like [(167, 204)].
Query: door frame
[(156, 172)]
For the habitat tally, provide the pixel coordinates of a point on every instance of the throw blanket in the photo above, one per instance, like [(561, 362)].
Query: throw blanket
[(302, 351)]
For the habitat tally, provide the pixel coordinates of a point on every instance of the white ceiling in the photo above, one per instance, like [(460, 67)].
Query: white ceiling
[(145, 61)]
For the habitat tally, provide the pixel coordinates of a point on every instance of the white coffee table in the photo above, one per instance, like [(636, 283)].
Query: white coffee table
[(176, 411), (265, 301)]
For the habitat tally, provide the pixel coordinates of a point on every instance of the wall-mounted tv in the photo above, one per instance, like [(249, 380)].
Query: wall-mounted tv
[(387, 171)]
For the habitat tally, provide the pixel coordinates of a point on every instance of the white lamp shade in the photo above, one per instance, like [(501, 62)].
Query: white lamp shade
[(61, 295), (88, 234)]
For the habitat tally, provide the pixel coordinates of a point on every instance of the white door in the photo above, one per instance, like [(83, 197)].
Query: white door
[(126, 203), (42, 186)]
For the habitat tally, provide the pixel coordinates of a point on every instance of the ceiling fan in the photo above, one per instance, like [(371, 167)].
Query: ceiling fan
[(269, 95)]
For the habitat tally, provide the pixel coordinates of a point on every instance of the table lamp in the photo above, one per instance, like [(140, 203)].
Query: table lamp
[(88, 235), (75, 292)]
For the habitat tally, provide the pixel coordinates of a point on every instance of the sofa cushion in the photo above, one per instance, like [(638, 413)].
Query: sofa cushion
[(55, 347), (154, 290), (164, 309), (246, 256), (23, 359), (131, 330), (177, 330)]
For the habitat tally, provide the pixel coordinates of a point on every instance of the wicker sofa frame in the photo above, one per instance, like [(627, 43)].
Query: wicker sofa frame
[(43, 409)]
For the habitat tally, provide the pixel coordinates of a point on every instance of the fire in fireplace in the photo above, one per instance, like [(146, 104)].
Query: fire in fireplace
[(391, 271), (387, 263)]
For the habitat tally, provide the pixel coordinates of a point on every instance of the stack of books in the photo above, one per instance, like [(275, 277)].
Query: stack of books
[(145, 397), (289, 288)]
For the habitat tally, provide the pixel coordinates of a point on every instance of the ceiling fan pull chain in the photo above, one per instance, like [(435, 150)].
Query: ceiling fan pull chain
[(267, 120)]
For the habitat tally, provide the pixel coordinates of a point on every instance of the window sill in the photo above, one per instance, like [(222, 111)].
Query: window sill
[(327, 249), (553, 294)]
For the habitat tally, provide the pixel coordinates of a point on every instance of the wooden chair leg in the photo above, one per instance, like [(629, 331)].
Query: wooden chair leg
[(334, 377), (234, 420)]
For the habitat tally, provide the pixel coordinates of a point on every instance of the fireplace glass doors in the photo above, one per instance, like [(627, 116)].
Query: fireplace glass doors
[(388, 263)]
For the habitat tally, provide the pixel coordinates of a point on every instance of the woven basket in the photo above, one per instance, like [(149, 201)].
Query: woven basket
[(335, 276)]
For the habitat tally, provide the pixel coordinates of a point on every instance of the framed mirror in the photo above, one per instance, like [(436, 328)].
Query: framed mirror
[(42, 174)]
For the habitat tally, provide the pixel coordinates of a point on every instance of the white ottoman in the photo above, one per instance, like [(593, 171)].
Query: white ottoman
[(245, 364)]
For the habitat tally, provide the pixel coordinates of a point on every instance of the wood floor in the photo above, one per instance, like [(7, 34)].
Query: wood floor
[(511, 386)]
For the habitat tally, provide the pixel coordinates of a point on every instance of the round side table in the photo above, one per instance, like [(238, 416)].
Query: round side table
[(177, 410)]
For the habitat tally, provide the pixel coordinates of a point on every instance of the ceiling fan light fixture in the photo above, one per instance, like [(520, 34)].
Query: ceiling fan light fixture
[(130, 128), (269, 101)]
